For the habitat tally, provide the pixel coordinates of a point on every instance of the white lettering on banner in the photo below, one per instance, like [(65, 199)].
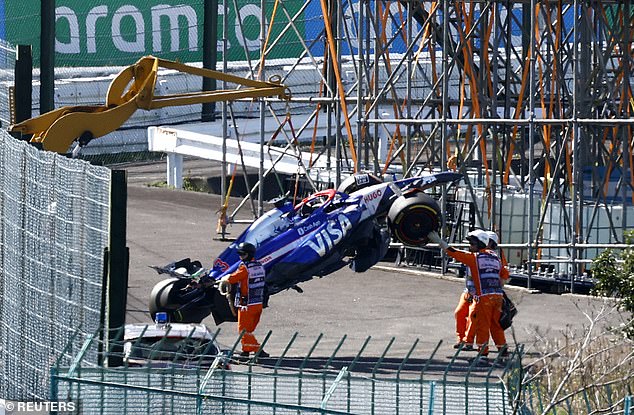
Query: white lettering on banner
[(330, 235), (246, 11), (120, 43), (135, 42), (73, 44), (369, 197), (91, 27), (173, 13)]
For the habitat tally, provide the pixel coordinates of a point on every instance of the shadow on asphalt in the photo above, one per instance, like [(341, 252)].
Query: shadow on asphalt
[(464, 364)]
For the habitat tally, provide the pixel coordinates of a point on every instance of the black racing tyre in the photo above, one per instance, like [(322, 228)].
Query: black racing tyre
[(412, 217), (162, 296), (358, 181), (166, 296)]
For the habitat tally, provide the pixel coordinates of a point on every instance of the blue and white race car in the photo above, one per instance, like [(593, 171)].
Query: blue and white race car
[(325, 232)]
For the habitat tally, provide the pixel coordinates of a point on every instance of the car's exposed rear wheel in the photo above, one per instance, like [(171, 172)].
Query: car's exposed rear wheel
[(167, 296), (412, 217)]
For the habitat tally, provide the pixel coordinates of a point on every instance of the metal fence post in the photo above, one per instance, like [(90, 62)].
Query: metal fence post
[(118, 258), (53, 388), (47, 56), (210, 51), (432, 391), (23, 85)]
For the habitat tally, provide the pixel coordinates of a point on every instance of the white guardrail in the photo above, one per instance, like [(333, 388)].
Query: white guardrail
[(199, 140)]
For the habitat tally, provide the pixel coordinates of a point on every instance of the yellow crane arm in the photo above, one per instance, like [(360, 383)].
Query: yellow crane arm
[(131, 89)]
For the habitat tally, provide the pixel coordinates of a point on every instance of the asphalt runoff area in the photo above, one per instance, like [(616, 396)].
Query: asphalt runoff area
[(166, 225)]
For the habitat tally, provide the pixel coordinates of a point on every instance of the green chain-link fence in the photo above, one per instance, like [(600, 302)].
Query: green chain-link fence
[(377, 384)]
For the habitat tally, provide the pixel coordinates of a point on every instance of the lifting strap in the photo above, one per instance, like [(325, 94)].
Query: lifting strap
[(222, 213)]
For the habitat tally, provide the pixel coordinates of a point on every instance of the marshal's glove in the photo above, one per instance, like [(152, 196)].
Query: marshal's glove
[(435, 238)]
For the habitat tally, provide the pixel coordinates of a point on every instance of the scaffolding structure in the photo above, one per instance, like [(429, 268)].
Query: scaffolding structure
[(529, 99)]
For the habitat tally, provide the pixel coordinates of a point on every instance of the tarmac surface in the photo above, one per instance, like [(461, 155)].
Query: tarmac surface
[(393, 308)]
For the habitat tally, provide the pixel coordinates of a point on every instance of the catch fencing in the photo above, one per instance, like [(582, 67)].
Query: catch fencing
[(7, 78), (371, 384), (172, 391), (180, 382), (54, 220)]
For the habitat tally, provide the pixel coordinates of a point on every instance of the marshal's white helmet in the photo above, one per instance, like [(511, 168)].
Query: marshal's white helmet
[(493, 237), (480, 235)]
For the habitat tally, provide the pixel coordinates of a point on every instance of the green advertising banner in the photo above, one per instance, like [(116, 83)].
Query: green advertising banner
[(118, 32)]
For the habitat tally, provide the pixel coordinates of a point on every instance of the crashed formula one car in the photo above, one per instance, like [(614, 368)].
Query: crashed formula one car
[(325, 232)]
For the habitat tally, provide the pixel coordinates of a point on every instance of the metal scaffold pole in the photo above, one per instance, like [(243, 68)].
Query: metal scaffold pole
[(225, 129), (531, 236), (262, 75)]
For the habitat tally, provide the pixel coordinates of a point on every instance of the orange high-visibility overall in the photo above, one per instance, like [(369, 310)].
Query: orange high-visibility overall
[(250, 277), (470, 334), (461, 313), (485, 272)]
